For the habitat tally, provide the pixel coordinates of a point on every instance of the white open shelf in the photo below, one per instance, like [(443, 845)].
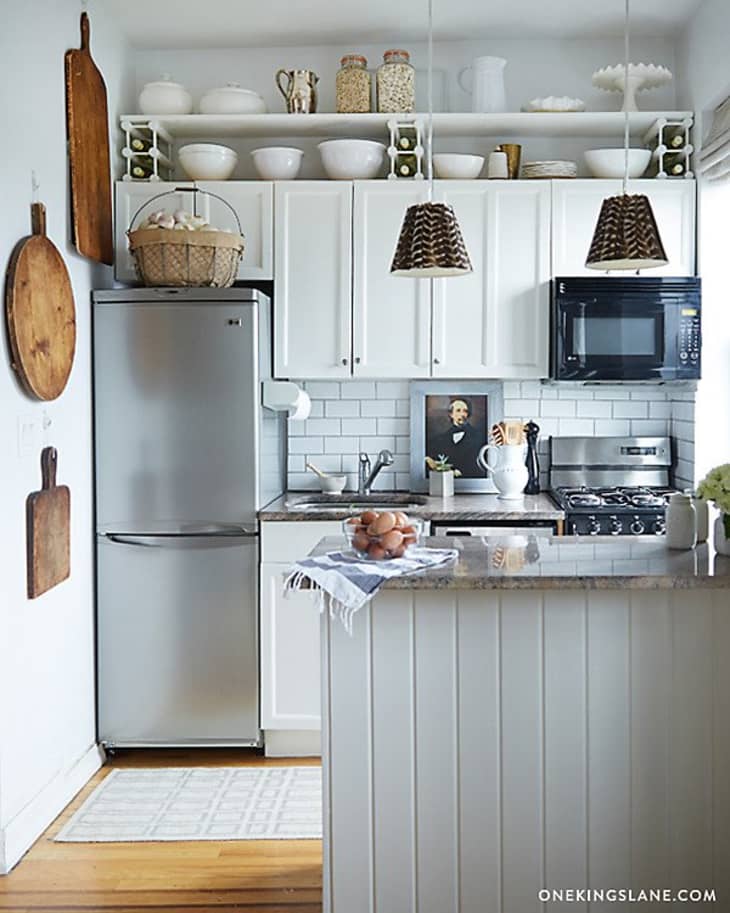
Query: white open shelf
[(577, 124)]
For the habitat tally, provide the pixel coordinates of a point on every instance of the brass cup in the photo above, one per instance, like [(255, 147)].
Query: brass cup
[(514, 154)]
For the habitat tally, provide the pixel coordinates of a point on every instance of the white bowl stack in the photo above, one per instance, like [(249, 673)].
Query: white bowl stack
[(351, 159), (609, 163), (207, 161), (277, 163)]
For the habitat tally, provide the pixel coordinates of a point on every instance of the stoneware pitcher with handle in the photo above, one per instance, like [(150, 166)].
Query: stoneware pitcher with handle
[(508, 470), (300, 92), (487, 85)]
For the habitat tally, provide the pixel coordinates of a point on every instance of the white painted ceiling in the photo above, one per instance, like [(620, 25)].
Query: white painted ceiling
[(242, 23)]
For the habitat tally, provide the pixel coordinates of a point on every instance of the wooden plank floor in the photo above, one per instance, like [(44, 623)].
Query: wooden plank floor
[(248, 876)]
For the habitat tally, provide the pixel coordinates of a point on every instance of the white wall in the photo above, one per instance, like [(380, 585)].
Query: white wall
[(705, 81), (534, 67), (47, 727)]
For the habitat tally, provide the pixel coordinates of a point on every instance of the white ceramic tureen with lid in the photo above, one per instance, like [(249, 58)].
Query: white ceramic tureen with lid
[(165, 97), (232, 99)]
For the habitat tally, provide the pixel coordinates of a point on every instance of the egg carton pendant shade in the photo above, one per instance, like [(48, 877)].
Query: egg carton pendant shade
[(626, 235), (430, 243)]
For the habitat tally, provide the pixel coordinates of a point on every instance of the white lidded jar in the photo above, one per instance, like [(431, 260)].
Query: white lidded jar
[(165, 97), (681, 522), (702, 513)]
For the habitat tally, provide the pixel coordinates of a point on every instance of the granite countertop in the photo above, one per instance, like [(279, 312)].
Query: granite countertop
[(462, 507), (526, 562)]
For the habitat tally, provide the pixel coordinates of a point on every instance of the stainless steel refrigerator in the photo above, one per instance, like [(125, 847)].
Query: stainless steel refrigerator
[(185, 456)]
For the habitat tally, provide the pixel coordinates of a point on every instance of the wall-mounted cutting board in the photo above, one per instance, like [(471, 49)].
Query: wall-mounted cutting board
[(40, 312), (48, 536), (87, 120)]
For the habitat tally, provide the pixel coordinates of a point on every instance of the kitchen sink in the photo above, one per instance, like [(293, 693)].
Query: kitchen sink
[(356, 502)]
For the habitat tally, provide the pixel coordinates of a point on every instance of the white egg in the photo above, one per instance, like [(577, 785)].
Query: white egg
[(166, 221), (180, 215), (157, 215)]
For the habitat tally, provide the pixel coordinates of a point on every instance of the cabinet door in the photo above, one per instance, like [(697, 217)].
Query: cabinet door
[(290, 676), (576, 205), (391, 314), (495, 322), (313, 278), (253, 202), (130, 195)]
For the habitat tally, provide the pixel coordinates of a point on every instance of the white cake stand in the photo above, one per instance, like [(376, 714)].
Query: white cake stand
[(641, 76)]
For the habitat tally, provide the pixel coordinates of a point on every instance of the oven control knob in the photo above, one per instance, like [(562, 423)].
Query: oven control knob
[(658, 527), (594, 527), (615, 526), (637, 526)]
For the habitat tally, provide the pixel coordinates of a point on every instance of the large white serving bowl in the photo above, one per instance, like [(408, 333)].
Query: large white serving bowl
[(457, 166), (351, 159), (207, 161), (609, 163), (277, 163)]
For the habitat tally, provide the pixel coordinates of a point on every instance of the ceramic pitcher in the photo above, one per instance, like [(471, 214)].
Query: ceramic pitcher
[(487, 84), (508, 470), (300, 93)]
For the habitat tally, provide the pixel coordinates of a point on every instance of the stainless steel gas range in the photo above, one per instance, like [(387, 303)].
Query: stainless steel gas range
[(615, 486)]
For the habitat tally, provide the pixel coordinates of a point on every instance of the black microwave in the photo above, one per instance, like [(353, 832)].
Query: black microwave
[(626, 329)]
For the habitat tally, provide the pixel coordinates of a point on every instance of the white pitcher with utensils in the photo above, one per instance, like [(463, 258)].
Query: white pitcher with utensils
[(487, 85), (508, 469)]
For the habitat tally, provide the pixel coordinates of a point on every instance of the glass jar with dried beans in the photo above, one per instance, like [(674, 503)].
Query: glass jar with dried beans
[(396, 84), (352, 85)]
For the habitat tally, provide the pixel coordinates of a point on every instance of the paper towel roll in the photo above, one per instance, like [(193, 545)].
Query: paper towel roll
[(301, 408)]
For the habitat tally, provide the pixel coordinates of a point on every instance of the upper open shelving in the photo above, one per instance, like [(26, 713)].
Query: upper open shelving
[(577, 124)]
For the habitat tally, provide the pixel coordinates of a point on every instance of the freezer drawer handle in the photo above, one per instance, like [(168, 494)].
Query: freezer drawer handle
[(223, 538)]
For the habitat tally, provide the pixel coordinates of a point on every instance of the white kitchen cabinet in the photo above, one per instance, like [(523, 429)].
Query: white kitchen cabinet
[(130, 196), (391, 314), (576, 205), (495, 321), (312, 276), (289, 629), (252, 201)]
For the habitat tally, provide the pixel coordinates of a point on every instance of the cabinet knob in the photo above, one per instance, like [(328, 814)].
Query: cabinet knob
[(357, 359), (437, 361), (344, 361)]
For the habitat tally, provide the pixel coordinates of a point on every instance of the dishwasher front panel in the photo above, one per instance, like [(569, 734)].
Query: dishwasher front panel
[(177, 640)]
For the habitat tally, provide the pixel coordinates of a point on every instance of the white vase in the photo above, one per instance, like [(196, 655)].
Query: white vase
[(508, 471), (722, 541), (441, 484)]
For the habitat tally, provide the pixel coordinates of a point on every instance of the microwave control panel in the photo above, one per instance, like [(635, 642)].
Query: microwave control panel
[(689, 337)]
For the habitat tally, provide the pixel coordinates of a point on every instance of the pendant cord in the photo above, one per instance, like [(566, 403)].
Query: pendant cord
[(626, 86), (429, 132)]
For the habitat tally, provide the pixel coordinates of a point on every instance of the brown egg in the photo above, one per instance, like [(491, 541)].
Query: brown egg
[(398, 552), (354, 521), (401, 519), (360, 542), (392, 540), (368, 517), (370, 530), (384, 523), (376, 552), (409, 535)]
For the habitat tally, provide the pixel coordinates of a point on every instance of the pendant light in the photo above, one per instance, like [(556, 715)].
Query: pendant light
[(430, 243), (626, 235)]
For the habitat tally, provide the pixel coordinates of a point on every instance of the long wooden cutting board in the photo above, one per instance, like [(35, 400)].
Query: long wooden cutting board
[(87, 120), (48, 519)]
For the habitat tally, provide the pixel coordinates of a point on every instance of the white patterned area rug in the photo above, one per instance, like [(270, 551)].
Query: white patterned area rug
[(201, 803)]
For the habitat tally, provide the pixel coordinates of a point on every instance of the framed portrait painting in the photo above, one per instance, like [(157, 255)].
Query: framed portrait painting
[(450, 420)]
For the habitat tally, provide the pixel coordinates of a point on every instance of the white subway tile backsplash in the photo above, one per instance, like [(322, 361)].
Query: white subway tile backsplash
[(358, 389), (359, 426), (350, 416), (342, 444), (630, 409), (341, 408), (380, 408)]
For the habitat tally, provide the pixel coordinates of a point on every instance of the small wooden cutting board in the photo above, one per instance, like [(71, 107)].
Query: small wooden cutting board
[(48, 519)]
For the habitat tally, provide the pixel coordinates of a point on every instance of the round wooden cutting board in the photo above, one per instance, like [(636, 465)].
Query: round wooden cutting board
[(40, 311)]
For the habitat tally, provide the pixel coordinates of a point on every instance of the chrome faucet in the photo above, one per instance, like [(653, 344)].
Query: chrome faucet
[(366, 477)]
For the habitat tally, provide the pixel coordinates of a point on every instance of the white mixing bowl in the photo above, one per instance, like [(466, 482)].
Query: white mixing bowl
[(351, 159), (277, 163), (456, 165), (609, 163), (207, 161)]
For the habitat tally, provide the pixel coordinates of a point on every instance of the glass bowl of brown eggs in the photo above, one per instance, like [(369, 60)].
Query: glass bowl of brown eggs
[(382, 535)]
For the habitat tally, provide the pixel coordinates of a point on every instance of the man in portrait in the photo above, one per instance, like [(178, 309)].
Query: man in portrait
[(460, 443)]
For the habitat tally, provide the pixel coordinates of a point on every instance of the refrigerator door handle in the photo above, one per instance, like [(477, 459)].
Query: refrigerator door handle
[(206, 540)]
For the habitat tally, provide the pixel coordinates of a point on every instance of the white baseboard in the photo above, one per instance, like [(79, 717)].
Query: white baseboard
[(290, 743), (26, 827)]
